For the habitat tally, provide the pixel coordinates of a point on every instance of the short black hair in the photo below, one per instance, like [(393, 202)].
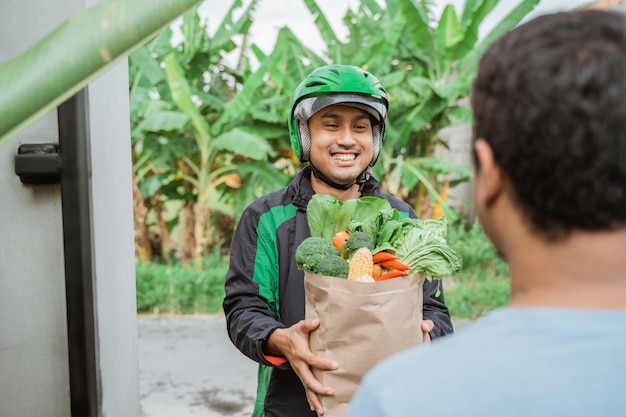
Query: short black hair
[(550, 99)]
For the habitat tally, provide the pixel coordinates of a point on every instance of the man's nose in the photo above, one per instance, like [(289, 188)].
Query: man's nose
[(346, 137)]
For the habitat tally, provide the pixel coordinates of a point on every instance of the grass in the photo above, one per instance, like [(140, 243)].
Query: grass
[(178, 289), (480, 286), (483, 283)]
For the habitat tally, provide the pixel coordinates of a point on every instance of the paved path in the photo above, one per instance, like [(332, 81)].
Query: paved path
[(189, 368)]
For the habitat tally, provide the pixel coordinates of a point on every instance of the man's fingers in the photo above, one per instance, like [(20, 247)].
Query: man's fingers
[(310, 325), (309, 381), (314, 401), (427, 326), (321, 363)]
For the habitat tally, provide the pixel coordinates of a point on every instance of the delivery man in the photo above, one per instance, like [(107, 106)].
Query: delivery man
[(337, 125)]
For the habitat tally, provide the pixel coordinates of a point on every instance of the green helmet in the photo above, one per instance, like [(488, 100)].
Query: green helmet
[(336, 84)]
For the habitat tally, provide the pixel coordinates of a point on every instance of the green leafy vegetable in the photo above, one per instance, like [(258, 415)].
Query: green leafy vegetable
[(421, 244), (327, 215)]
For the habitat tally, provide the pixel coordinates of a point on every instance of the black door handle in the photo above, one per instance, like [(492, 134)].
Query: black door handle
[(39, 163)]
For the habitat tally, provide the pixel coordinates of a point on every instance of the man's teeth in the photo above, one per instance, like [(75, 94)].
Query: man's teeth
[(344, 156)]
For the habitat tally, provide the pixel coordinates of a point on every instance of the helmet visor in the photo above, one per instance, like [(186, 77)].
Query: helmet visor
[(307, 107)]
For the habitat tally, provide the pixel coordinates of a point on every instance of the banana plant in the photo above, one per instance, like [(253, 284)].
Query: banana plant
[(66, 60), (209, 163)]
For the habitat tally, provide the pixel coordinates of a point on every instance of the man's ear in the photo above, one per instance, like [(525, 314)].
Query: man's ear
[(489, 181)]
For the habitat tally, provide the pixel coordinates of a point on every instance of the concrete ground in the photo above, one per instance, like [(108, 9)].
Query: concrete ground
[(189, 368)]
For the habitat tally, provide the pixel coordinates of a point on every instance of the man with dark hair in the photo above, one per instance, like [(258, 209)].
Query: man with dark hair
[(550, 192), (337, 126)]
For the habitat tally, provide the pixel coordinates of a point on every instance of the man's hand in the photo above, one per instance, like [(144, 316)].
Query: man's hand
[(427, 326), (293, 344)]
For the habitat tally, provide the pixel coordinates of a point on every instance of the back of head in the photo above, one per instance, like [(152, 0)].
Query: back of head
[(550, 99)]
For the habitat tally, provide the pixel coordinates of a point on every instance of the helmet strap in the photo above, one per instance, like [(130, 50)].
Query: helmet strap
[(362, 179), (325, 180)]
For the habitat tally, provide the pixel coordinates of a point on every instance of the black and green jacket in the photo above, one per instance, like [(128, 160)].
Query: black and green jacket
[(265, 290)]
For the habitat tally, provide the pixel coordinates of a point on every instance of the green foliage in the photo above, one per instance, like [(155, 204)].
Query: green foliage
[(483, 282), (177, 289), (210, 128), (191, 141)]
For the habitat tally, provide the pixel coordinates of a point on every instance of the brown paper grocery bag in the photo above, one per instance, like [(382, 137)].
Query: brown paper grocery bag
[(360, 324)]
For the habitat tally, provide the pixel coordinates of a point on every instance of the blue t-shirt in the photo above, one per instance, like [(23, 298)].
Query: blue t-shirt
[(512, 362)]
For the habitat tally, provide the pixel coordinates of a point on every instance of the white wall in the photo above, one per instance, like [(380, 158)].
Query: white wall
[(34, 378)]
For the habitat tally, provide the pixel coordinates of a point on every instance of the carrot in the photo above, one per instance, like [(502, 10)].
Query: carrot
[(393, 274), (395, 264), (384, 256), (377, 271), (339, 241)]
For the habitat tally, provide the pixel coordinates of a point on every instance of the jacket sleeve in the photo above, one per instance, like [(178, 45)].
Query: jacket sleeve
[(251, 289), (435, 309)]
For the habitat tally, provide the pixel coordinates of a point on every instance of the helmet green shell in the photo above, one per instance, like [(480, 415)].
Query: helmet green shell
[(336, 84)]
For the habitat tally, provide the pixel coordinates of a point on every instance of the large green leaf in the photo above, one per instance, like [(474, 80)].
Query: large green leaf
[(441, 166), (378, 55), (66, 60), (259, 178), (244, 143), (244, 98), (419, 34), (507, 23), (328, 34), (181, 93), (229, 27), (448, 31), (150, 68), (163, 120), (474, 15)]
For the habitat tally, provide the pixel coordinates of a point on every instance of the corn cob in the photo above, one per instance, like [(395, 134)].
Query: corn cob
[(361, 264)]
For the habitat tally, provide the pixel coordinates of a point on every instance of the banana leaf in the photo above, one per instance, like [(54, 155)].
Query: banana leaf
[(79, 50)]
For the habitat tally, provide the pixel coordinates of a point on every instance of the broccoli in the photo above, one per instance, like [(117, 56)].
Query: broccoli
[(318, 255), (359, 240)]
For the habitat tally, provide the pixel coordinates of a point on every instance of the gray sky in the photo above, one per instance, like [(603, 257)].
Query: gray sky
[(271, 15)]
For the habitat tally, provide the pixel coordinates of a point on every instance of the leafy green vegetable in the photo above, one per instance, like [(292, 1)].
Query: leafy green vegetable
[(327, 215), (421, 244)]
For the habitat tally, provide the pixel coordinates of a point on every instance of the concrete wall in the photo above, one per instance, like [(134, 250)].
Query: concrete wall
[(459, 140), (34, 378)]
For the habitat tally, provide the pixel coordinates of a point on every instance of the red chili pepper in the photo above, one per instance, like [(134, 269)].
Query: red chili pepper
[(384, 256), (393, 274), (395, 264)]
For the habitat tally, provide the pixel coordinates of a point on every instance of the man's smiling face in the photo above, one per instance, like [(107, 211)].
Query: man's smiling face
[(341, 142)]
